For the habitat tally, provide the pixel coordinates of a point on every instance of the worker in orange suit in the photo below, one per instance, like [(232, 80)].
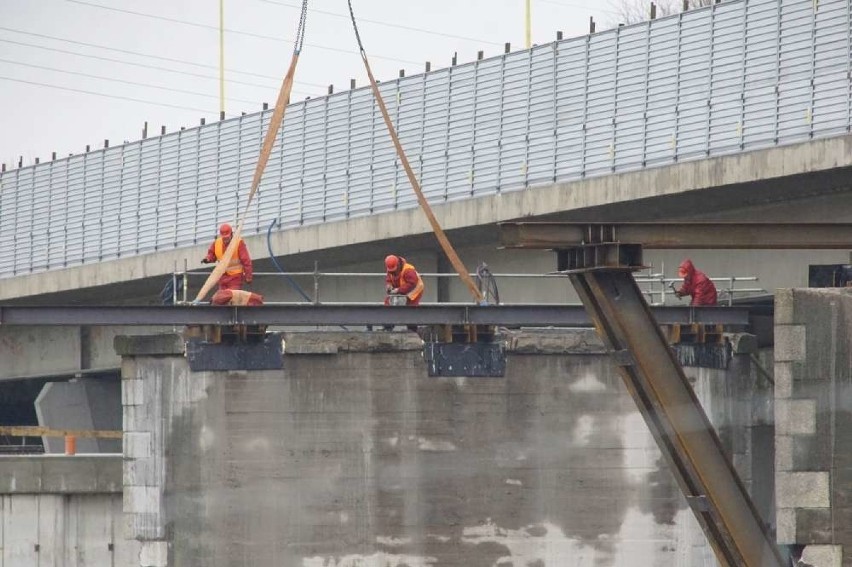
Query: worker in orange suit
[(239, 268), (402, 279)]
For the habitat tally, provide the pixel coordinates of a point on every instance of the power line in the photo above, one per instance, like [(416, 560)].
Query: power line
[(102, 78), (142, 65), (236, 32), (387, 24), (179, 107), (139, 54), (570, 5)]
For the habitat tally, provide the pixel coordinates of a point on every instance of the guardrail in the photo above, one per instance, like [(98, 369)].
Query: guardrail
[(652, 285)]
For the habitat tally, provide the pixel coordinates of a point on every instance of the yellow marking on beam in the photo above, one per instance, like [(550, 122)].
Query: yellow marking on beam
[(34, 431)]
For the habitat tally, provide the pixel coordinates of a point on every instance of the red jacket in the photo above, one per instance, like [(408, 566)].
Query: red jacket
[(697, 285)]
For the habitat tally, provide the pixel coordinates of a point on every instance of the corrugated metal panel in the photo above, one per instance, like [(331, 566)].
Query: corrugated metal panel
[(540, 153), (661, 122), (436, 109), (630, 97), (40, 224), (600, 104), (362, 116), (58, 214), (571, 74), (760, 76), (110, 197), (831, 68), (459, 173), (76, 210), (129, 208), (726, 80), (734, 76)]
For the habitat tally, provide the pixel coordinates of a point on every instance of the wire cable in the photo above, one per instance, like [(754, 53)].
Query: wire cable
[(149, 55), (237, 32), (178, 106), (390, 25), (134, 83), (141, 65)]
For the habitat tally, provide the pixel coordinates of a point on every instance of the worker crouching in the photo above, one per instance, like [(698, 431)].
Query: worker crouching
[(402, 279), (696, 284)]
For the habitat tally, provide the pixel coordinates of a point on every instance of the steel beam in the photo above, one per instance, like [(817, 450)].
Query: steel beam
[(676, 419), (697, 235), (350, 314)]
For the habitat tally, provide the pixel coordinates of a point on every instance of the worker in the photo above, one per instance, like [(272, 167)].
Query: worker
[(402, 279), (696, 284), (239, 268)]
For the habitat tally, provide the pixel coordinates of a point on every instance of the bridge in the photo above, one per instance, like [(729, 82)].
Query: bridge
[(738, 112)]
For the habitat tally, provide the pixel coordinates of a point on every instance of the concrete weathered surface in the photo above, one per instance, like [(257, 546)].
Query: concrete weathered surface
[(63, 511), (813, 397), (60, 474), (359, 458)]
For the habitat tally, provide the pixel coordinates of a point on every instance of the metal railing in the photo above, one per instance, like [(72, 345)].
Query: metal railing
[(652, 285)]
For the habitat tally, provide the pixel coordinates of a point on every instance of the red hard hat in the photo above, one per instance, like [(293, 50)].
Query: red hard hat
[(225, 230), (391, 263)]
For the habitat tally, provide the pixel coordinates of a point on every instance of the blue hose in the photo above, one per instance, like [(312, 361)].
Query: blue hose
[(293, 283)]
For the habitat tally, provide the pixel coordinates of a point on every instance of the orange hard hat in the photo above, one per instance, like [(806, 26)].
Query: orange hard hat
[(391, 263), (225, 229)]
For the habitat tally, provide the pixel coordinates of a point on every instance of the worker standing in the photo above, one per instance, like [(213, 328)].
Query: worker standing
[(239, 268), (696, 284), (402, 279)]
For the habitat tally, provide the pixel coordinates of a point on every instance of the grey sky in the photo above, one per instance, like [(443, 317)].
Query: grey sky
[(66, 43)]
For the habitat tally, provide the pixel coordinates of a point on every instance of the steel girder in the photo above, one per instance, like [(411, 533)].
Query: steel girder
[(676, 419), (350, 314), (695, 235)]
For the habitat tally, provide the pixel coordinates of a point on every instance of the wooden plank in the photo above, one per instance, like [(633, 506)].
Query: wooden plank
[(33, 431)]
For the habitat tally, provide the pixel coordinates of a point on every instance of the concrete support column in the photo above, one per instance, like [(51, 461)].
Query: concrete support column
[(812, 374), (154, 390)]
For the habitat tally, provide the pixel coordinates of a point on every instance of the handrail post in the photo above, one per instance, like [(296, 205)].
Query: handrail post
[(316, 282), (174, 287)]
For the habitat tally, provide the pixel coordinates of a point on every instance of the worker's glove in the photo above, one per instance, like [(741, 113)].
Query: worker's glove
[(388, 288), (394, 291), (248, 280), (205, 261)]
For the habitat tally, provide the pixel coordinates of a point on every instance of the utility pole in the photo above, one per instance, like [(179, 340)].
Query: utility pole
[(221, 58), (528, 24)]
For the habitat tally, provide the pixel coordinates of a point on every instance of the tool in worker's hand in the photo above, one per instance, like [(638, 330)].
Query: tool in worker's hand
[(395, 298), (674, 289)]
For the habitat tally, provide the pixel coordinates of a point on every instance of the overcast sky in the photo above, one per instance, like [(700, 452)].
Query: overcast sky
[(76, 72)]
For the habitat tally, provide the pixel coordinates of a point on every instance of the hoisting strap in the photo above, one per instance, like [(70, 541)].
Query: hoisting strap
[(424, 204), (266, 149)]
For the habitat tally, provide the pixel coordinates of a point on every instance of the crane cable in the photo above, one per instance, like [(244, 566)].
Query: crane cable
[(424, 204), (266, 149)]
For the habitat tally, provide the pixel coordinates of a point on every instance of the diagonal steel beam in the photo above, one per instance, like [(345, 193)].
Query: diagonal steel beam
[(667, 235), (676, 419)]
